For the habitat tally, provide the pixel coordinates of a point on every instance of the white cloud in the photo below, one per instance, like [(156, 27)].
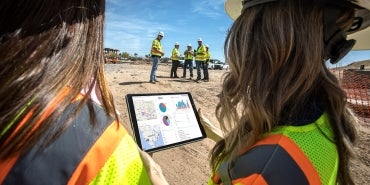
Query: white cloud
[(209, 8), (131, 34)]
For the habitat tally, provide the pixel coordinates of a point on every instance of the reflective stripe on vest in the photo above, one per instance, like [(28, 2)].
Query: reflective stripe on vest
[(311, 148), (281, 153), (57, 163), (124, 166)]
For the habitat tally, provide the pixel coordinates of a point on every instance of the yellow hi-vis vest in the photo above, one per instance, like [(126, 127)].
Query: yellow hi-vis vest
[(188, 54), (175, 54), (308, 153), (200, 54), (156, 44), (208, 56)]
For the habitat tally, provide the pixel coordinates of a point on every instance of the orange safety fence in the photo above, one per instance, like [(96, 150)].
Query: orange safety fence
[(356, 83)]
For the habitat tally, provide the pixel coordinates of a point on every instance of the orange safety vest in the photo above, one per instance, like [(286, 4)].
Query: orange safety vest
[(82, 154), (304, 155)]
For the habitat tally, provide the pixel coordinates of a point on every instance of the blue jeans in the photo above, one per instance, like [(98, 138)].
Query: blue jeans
[(155, 61), (186, 64), (198, 65)]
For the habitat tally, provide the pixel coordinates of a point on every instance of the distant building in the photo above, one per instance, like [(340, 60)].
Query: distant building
[(111, 55)]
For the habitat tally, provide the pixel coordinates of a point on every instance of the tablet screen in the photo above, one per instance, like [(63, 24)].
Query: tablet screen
[(164, 120)]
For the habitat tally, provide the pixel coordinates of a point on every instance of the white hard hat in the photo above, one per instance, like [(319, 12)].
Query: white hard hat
[(206, 45), (177, 44), (189, 45), (234, 8), (161, 34), (361, 33), (200, 39)]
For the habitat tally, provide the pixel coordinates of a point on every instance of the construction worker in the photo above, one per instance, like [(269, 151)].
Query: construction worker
[(205, 64), (200, 57), (175, 57), (58, 123), (156, 53), (284, 113), (188, 63)]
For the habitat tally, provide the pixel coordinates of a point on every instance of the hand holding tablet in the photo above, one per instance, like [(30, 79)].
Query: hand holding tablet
[(164, 120)]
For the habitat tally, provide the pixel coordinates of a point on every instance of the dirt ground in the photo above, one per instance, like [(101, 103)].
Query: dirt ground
[(188, 164)]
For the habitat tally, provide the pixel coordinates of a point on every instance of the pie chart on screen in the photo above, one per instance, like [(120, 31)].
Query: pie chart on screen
[(166, 120), (162, 107)]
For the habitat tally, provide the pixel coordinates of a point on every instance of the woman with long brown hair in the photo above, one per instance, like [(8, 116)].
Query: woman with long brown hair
[(58, 120), (283, 113)]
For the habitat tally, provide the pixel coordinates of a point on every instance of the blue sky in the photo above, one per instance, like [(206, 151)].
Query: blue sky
[(352, 56), (131, 26)]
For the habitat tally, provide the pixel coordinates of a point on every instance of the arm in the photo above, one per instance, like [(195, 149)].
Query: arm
[(154, 170), (155, 47), (212, 131)]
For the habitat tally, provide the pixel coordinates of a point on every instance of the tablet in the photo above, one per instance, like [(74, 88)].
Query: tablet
[(164, 120)]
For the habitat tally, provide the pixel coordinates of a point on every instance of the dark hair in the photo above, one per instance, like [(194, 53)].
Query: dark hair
[(48, 49), (276, 57)]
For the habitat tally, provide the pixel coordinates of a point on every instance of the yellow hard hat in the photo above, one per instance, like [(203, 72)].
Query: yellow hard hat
[(360, 30)]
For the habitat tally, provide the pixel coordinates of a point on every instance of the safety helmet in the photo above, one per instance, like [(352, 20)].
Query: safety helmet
[(177, 44), (189, 45), (161, 34), (234, 8), (200, 39), (206, 45)]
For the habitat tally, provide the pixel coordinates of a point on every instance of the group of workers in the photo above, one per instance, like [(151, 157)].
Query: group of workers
[(201, 54)]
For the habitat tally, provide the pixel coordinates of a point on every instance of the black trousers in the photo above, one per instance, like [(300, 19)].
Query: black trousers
[(205, 70), (175, 65)]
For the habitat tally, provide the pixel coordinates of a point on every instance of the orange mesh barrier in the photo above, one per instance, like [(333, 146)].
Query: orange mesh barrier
[(356, 83)]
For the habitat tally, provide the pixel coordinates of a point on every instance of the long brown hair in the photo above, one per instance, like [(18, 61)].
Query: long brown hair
[(276, 57), (46, 47)]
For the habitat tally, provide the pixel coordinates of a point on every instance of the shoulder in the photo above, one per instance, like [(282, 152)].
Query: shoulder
[(273, 160), (203, 48), (155, 41), (74, 159)]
